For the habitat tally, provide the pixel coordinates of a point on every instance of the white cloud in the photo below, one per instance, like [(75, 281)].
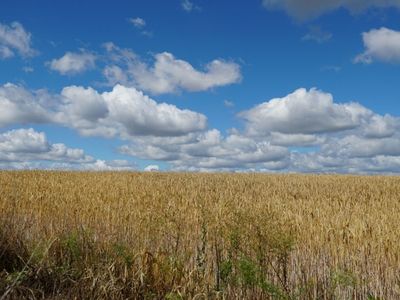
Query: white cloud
[(381, 126), (125, 112), (355, 146), (317, 163), (380, 44), (299, 140), (138, 22), (344, 138), (303, 112), (73, 63), (168, 74), (152, 168), (82, 104), (305, 9), (141, 115), (14, 38), (18, 106), (29, 149), (208, 150), (331, 137), (24, 145), (112, 165)]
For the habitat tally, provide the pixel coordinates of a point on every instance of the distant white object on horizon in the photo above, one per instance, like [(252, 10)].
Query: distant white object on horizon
[(152, 168)]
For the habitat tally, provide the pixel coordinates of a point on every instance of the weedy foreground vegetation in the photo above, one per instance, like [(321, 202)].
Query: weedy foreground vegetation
[(198, 236)]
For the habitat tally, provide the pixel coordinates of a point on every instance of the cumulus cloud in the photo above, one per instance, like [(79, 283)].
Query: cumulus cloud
[(73, 63), (208, 150), (305, 9), (355, 146), (332, 137), (122, 112), (305, 131), (380, 45), (14, 38), (19, 106), (30, 149), (82, 104), (380, 126), (168, 74), (320, 163), (22, 145), (303, 112), (125, 112)]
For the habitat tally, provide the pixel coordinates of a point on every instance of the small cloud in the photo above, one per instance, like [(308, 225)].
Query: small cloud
[(152, 168), (73, 63), (316, 34), (189, 6), (27, 69), (228, 103), (138, 22), (168, 74), (15, 39)]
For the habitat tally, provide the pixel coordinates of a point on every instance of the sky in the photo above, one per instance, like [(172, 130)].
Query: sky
[(196, 85)]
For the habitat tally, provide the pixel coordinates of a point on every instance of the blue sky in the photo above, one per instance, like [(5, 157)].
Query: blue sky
[(262, 85)]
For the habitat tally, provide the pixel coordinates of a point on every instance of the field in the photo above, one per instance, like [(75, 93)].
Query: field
[(66, 235)]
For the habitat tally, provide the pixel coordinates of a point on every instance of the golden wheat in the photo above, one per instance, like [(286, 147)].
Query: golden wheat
[(203, 236)]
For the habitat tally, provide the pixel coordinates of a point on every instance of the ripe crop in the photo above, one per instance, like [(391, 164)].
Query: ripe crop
[(115, 235)]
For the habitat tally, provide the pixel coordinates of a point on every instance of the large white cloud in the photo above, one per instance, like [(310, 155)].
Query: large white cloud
[(304, 9), (380, 44), (122, 112), (14, 38), (125, 112), (304, 131), (168, 74), (73, 63), (332, 137), (303, 112)]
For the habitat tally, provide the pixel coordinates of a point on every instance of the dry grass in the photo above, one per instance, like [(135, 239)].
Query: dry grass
[(204, 236)]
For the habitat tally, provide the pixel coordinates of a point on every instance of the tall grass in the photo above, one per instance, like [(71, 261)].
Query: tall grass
[(66, 235)]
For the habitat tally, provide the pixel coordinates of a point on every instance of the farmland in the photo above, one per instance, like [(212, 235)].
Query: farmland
[(128, 235)]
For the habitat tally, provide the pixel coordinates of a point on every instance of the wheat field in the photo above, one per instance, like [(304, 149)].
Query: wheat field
[(115, 235)]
